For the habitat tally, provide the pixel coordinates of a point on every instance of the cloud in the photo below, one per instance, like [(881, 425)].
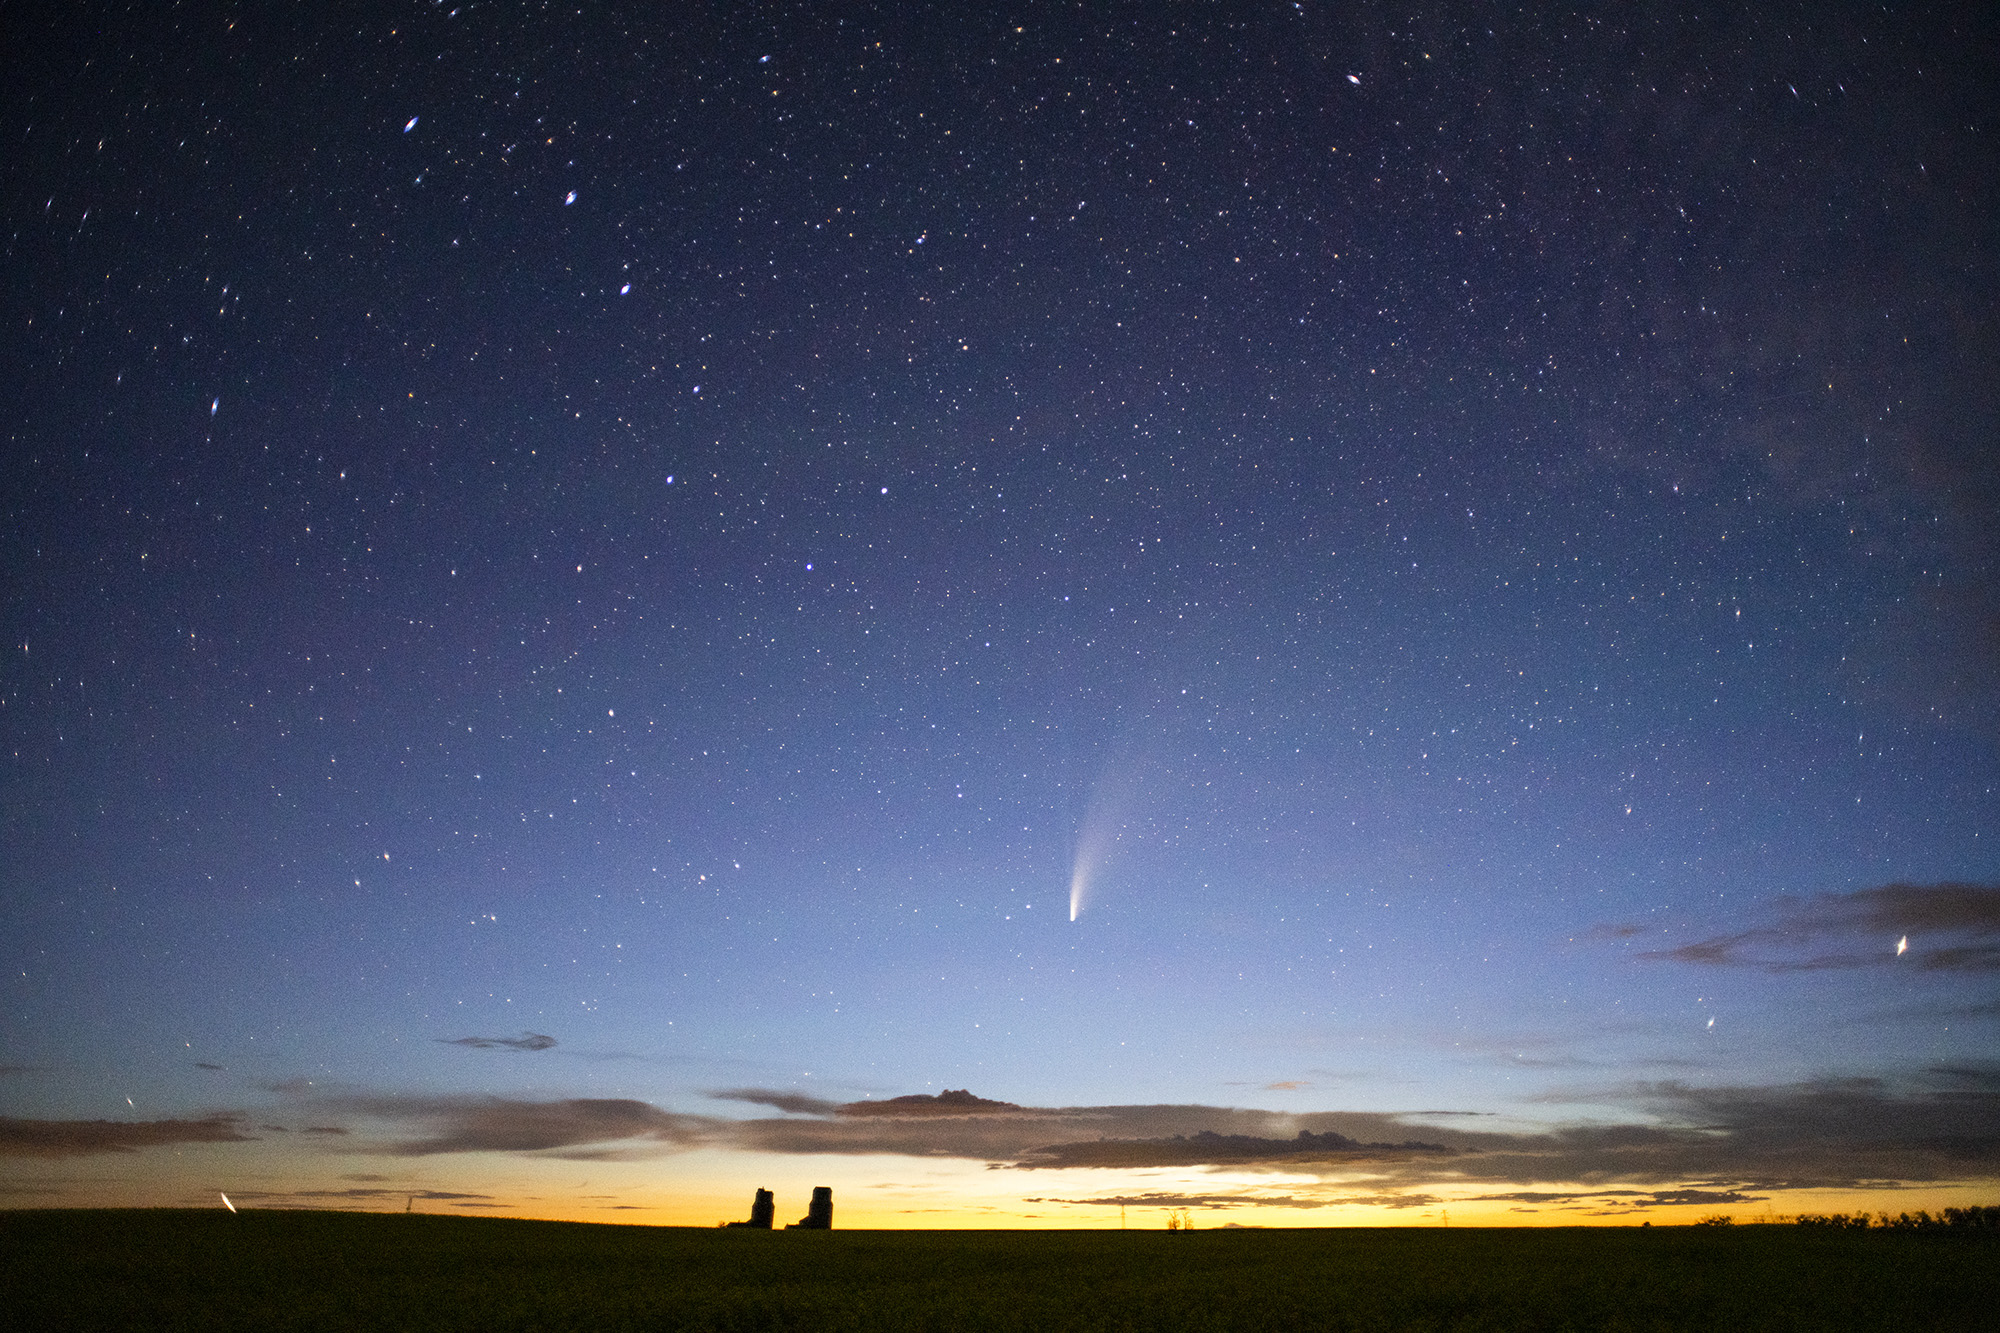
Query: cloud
[(456, 1124), (1950, 927), (365, 1193), (527, 1041), (1828, 1133), (1661, 1141), (1216, 1201), (948, 1102), (1004, 1133), (914, 1106), (1912, 907), (1635, 1198), (796, 1102), (84, 1138), (203, 1064), (1207, 1148), (1221, 1201), (1665, 1136)]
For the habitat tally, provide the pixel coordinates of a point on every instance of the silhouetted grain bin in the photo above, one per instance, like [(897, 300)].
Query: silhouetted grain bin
[(819, 1217), (762, 1210)]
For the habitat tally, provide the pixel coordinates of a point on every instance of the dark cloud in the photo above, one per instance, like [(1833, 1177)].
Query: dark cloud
[(1674, 1138), (498, 1124), (527, 1041), (1708, 1197), (1554, 1196), (323, 1129), (1632, 1198), (796, 1102), (1822, 1134), (948, 1102), (1224, 1201), (1918, 907), (1830, 1133), (1210, 1201), (1207, 1148), (84, 1138), (1065, 1136), (1949, 927), (365, 1193), (1965, 958), (959, 1102), (203, 1064)]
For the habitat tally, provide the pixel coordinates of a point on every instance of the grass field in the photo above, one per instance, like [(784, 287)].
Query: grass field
[(209, 1270)]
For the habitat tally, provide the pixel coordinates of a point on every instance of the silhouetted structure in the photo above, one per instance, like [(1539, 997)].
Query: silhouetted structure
[(762, 1210), (819, 1217)]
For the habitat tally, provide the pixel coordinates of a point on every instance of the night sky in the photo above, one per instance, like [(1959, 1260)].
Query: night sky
[(594, 596)]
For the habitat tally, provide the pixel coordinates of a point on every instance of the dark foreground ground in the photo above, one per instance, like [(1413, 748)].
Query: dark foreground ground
[(167, 1270)]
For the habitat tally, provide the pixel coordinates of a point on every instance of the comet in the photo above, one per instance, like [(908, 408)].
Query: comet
[(1104, 821), (1079, 880), (226, 1203), (1094, 840)]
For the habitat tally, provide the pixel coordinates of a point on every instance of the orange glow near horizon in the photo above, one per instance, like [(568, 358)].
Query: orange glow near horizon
[(706, 1188)]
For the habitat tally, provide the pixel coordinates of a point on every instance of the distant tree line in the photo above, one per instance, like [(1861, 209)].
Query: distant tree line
[(1979, 1217)]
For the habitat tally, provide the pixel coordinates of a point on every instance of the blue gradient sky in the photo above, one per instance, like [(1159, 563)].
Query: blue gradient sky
[(1471, 537)]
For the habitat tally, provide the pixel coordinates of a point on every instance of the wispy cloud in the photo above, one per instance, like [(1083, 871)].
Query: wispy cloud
[(363, 1193), (1246, 1200), (1207, 1148), (1672, 1136), (1635, 1198), (1663, 1142), (527, 1041), (84, 1138), (924, 1105), (1949, 927), (423, 1126), (795, 1102), (919, 1106)]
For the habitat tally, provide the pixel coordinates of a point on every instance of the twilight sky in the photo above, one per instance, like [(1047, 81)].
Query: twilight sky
[(594, 597)]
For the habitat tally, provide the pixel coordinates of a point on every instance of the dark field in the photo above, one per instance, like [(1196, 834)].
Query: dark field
[(159, 1270)]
